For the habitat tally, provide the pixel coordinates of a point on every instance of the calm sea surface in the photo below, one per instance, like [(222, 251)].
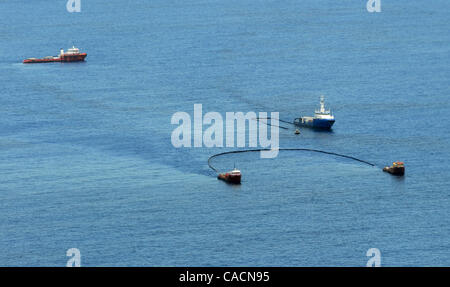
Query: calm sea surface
[(86, 159)]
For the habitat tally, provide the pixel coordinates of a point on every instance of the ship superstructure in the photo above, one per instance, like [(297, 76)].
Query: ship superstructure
[(323, 118)]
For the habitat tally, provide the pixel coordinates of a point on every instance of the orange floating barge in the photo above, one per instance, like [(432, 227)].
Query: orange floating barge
[(233, 176), (397, 168), (72, 55)]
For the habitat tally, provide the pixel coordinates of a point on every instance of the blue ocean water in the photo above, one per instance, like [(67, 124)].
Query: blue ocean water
[(86, 159)]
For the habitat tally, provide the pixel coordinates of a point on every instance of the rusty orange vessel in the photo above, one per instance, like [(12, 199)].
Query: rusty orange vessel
[(233, 176), (72, 55)]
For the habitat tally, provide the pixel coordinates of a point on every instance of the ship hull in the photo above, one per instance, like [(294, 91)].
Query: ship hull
[(315, 123), (399, 171), (65, 58), (234, 179)]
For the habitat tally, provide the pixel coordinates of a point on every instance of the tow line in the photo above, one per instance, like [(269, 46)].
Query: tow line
[(285, 149)]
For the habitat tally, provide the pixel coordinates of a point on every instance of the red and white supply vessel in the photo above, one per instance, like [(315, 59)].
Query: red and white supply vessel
[(72, 55), (233, 176)]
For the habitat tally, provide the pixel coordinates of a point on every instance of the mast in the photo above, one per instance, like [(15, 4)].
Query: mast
[(322, 104)]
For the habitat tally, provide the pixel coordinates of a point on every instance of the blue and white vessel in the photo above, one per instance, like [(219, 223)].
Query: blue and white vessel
[(323, 119)]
